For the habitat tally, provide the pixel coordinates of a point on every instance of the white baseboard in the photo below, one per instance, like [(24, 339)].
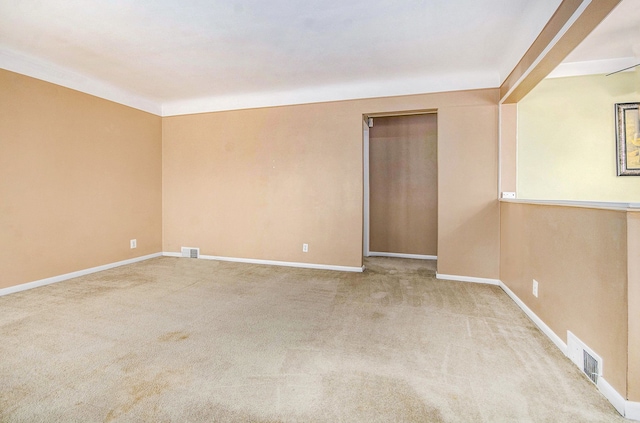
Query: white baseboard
[(60, 278), (402, 255), (632, 410), (538, 321), (612, 395), (628, 409), (274, 263), (467, 279)]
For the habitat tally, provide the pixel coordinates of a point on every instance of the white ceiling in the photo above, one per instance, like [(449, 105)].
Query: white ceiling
[(170, 56), (613, 45)]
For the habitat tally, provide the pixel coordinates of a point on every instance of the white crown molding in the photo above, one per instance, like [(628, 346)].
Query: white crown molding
[(338, 92), (60, 278), (593, 67), (49, 72)]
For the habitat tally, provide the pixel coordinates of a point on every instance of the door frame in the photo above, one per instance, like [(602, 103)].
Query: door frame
[(366, 252)]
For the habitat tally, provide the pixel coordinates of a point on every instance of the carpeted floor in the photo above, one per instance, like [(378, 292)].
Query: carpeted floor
[(185, 340)]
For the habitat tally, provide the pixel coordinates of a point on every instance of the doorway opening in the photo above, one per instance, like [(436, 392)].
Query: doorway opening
[(400, 185)]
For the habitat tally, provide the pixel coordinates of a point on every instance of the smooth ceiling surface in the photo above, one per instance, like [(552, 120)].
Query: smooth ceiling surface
[(174, 51), (611, 46)]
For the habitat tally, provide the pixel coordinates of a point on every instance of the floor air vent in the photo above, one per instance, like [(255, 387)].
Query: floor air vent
[(590, 367), (190, 252), (589, 362)]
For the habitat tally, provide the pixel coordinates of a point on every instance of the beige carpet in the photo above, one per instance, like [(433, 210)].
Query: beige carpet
[(185, 340)]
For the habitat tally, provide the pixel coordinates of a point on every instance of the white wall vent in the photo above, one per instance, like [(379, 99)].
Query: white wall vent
[(588, 361), (190, 252)]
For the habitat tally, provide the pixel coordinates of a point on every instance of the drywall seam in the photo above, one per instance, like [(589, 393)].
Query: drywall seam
[(458, 278), (60, 278), (402, 255), (274, 262)]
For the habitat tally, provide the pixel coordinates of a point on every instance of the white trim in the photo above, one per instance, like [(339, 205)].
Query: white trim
[(274, 262), (548, 48), (60, 278), (606, 205), (366, 188), (612, 395), (632, 410), (628, 409), (402, 255), (458, 278), (49, 72), (538, 322)]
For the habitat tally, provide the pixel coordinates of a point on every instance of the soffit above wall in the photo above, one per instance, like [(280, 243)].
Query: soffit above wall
[(611, 46), (169, 57)]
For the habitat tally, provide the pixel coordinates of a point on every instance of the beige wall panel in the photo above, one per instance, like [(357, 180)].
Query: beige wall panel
[(468, 229), (578, 256), (404, 184), (508, 146), (633, 263), (79, 177), (259, 183)]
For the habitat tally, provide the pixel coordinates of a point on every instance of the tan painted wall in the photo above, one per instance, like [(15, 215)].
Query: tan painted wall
[(468, 209), (79, 177), (579, 258), (259, 183), (404, 184), (508, 146), (566, 139), (633, 263)]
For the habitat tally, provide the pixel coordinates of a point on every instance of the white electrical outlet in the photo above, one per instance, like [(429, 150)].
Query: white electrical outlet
[(535, 288), (133, 243), (305, 248)]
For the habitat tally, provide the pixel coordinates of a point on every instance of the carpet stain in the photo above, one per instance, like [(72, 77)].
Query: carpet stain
[(173, 336), (426, 273), (139, 392)]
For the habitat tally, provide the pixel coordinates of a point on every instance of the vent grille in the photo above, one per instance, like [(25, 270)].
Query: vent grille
[(591, 367), (584, 357), (190, 252)]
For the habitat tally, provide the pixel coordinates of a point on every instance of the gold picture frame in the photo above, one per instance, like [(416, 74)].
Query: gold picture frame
[(628, 138)]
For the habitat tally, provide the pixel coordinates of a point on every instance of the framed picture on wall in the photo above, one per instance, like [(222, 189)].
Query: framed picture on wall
[(628, 138)]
